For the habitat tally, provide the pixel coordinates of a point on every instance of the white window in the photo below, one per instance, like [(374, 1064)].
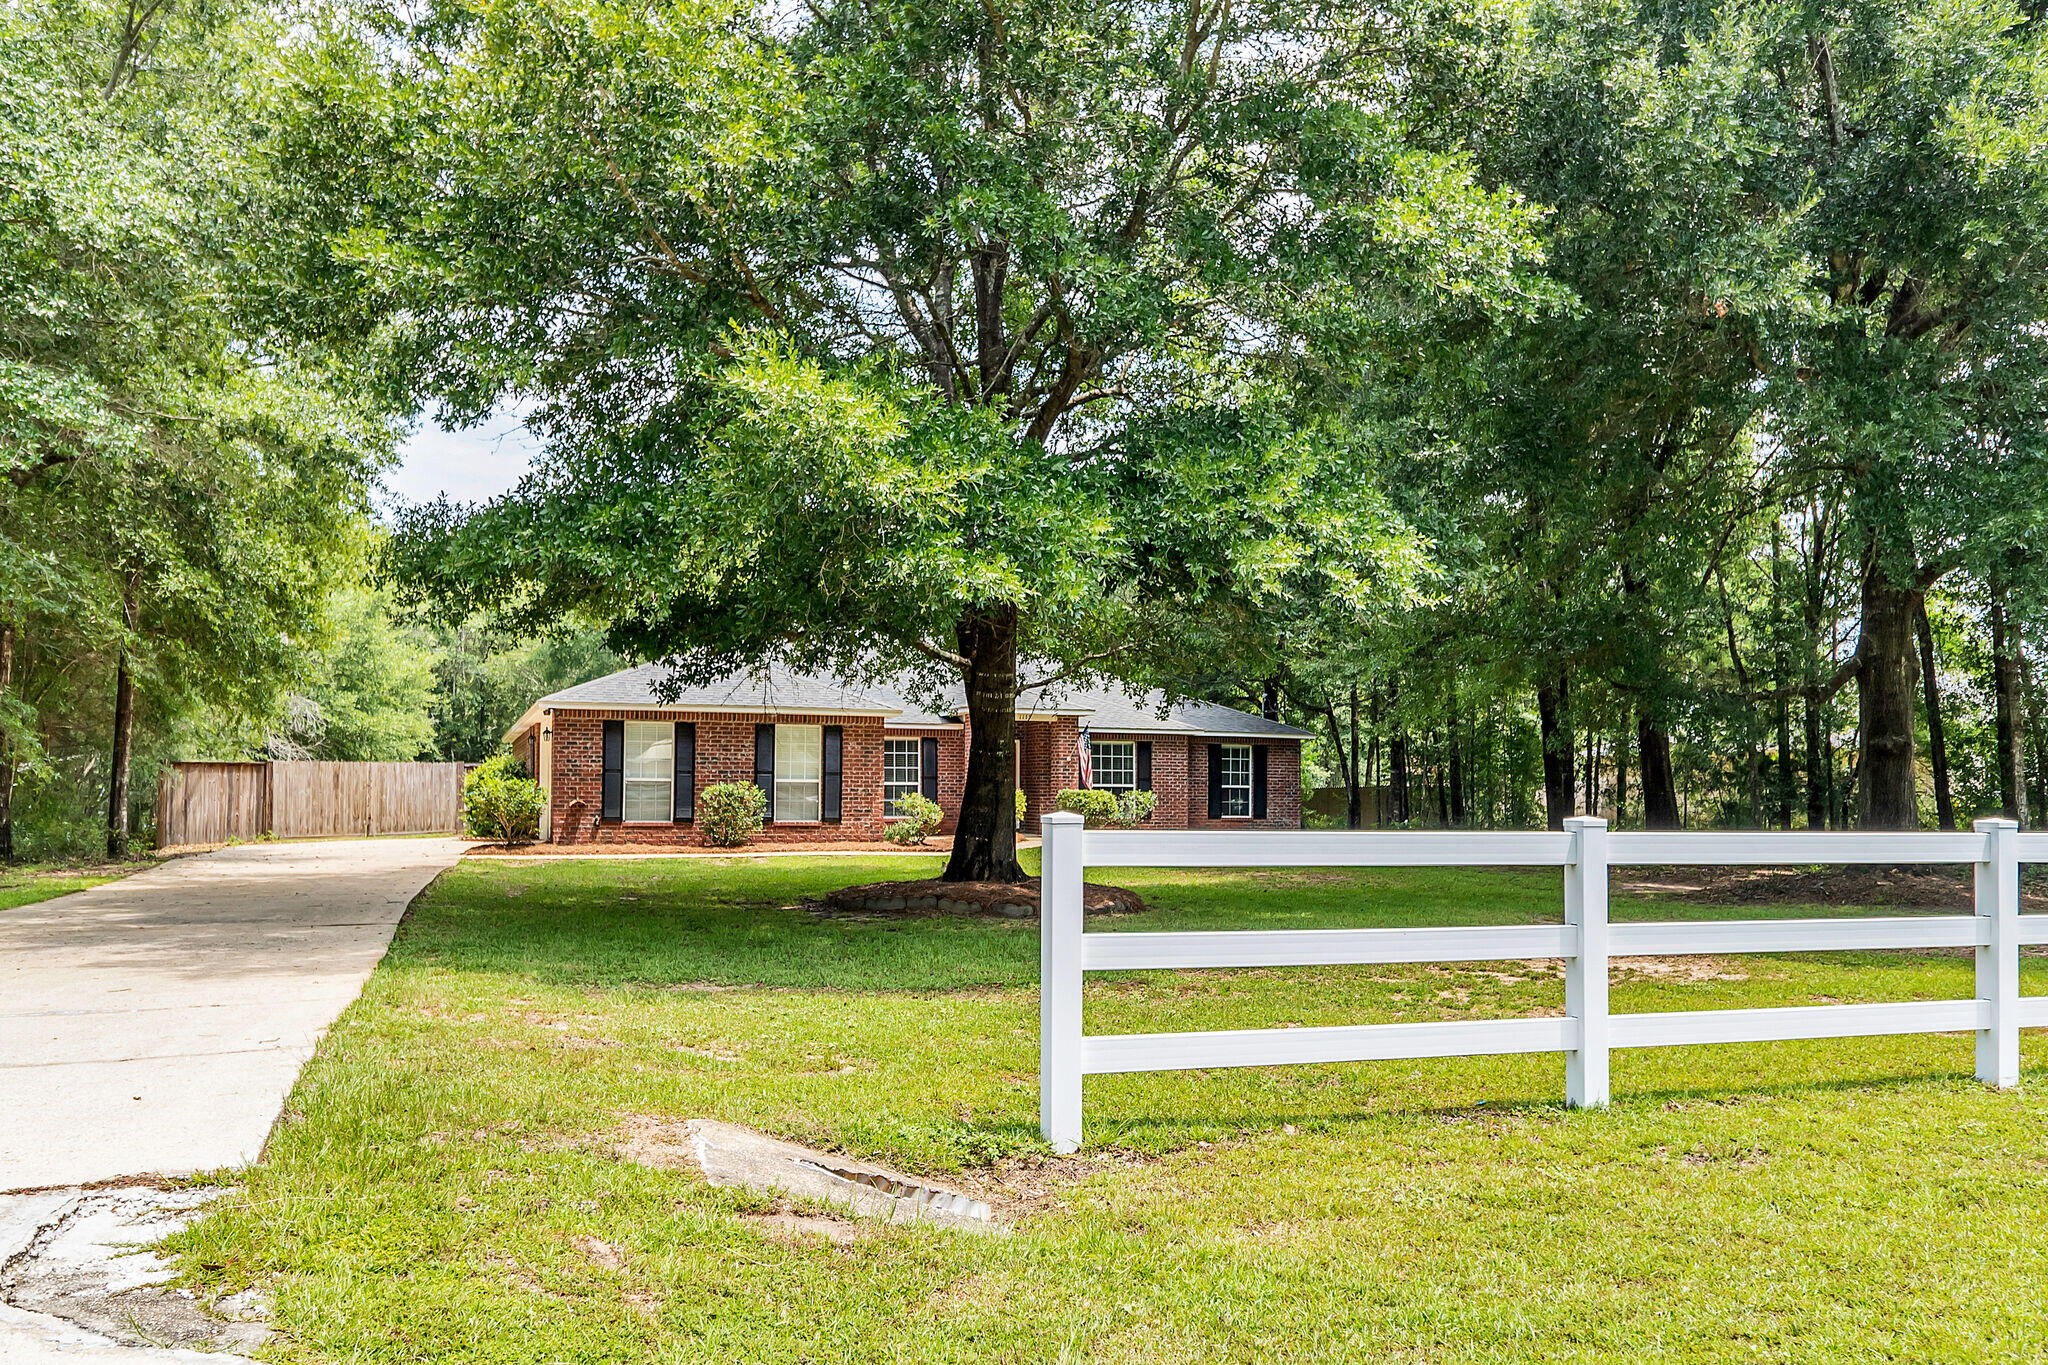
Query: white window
[(799, 772), (1114, 763), (1237, 780), (902, 772), (650, 770)]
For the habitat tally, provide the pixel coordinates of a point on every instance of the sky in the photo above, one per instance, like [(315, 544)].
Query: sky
[(470, 465)]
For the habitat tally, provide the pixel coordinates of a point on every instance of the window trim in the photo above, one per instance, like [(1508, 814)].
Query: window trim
[(627, 783), (782, 778), (1095, 763), (1223, 752), (916, 785)]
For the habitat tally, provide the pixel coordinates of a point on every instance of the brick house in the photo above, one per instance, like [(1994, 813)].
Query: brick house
[(622, 765)]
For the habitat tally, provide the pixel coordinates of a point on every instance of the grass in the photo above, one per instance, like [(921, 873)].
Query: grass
[(26, 883), (448, 1155)]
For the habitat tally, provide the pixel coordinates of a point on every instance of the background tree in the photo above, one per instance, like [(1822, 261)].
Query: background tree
[(181, 479)]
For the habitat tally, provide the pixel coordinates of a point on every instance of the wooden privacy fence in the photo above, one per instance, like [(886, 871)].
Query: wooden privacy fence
[(1587, 1031), (211, 803)]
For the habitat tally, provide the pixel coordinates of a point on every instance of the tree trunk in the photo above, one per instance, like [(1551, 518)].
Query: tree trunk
[(2036, 731), (1397, 778), (1887, 793), (1458, 774), (1375, 772), (1269, 699), (1754, 759), (1621, 768), (1653, 758), (1816, 765), (2011, 725), (124, 740), (6, 746), (1397, 760), (1781, 676), (1354, 802), (985, 837), (1937, 738), (1443, 795), (1591, 803), (1553, 710)]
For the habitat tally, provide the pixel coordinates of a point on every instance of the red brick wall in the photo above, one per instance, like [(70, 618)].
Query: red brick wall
[(1046, 750), (1169, 778), (952, 765), (725, 753), (1049, 751), (1283, 786)]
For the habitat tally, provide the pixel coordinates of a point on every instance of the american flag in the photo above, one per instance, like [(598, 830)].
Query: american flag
[(1085, 754)]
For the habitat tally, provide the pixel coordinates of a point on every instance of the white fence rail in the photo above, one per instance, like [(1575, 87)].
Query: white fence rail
[(1587, 1031)]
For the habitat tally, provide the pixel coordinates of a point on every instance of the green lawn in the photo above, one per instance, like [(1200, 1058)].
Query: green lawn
[(449, 1154), (26, 883)]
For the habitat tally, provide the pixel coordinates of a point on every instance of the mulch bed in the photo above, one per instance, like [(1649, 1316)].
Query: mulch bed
[(1015, 900), (1909, 888)]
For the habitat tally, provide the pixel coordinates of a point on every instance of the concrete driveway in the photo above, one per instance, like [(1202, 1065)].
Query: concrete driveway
[(154, 1026)]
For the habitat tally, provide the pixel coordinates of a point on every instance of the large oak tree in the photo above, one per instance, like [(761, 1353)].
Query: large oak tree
[(968, 332)]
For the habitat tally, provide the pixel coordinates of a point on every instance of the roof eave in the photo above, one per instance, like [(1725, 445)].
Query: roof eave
[(553, 704)]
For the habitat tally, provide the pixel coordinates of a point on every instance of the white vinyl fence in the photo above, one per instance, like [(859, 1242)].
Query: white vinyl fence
[(1587, 1031)]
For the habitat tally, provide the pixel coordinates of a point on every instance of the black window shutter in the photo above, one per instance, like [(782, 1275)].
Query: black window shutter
[(1215, 781), (928, 769), (834, 783), (1258, 781), (764, 765), (1144, 765), (612, 796), (686, 770)]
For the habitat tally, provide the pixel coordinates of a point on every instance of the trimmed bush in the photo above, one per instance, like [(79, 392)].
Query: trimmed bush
[(499, 801), (1094, 805), (1108, 809), (730, 813), (919, 816), (1134, 808), (1022, 802)]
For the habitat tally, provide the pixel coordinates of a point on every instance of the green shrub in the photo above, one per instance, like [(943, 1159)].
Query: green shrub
[(1094, 805), (730, 813), (918, 817), (1108, 809), (499, 801), (1134, 807), (1022, 802)]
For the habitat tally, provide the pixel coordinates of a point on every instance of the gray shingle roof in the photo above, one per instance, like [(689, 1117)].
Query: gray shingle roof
[(769, 689), (775, 688)]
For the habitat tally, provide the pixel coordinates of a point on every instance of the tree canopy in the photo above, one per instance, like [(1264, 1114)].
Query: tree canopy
[(910, 331)]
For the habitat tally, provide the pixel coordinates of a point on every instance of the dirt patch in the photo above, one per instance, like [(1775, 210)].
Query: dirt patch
[(659, 1143), (1906, 888), (1012, 900), (599, 1252), (785, 1223), (1024, 1184), (1675, 969)]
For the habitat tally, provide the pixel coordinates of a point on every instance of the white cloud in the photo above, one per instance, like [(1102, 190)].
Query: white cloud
[(470, 465)]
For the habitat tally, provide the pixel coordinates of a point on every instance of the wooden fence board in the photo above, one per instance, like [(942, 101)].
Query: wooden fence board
[(204, 803), (211, 803)]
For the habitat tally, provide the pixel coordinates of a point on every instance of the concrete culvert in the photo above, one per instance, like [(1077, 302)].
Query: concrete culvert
[(730, 1155)]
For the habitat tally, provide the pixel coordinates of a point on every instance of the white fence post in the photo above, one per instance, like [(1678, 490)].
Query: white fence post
[(1585, 980), (1059, 983), (1998, 958)]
